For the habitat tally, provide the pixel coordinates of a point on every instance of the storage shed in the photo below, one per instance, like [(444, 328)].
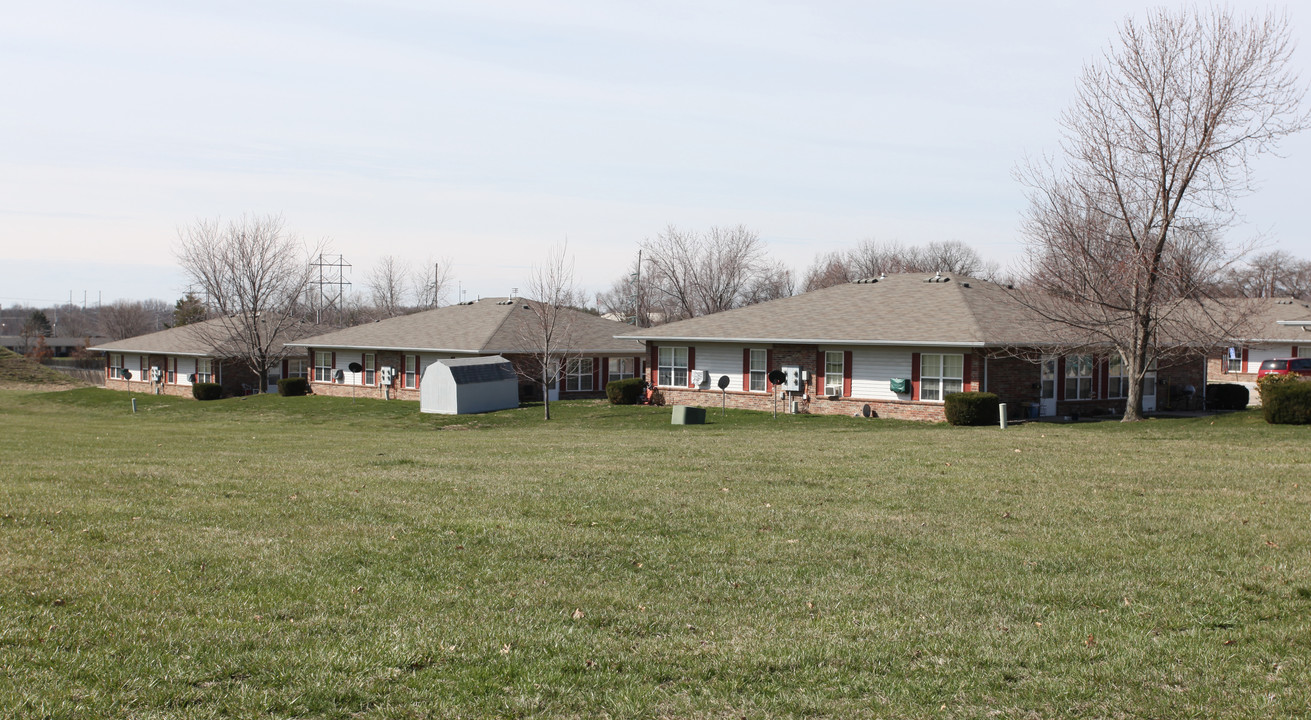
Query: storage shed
[(468, 385)]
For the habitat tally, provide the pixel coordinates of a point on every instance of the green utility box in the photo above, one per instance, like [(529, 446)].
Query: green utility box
[(685, 415)]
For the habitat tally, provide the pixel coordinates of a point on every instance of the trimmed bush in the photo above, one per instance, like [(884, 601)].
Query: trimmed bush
[(625, 392), (971, 408), (207, 391), (1272, 383), (1227, 396), (293, 387), (1287, 403)]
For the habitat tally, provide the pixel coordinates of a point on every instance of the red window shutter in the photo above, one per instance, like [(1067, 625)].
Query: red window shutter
[(1244, 366), (819, 372), (332, 369), (967, 372), (1105, 376), (652, 365), (846, 373), (605, 372), (915, 376), (596, 374), (418, 374), (1060, 378), (285, 363), (691, 364), (1293, 351), (746, 369)]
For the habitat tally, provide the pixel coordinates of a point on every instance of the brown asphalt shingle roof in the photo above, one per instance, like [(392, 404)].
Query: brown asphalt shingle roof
[(895, 310), (488, 326), (1263, 323), (195, 339)]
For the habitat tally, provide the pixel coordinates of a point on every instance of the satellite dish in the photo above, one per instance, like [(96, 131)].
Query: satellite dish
[(777, 377), (355, 367), (127, 374), (723, 382), (866, 411)]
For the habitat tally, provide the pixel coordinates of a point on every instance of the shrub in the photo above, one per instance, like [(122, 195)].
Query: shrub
[(971, 408), (1227, 396), (625, 392), (207, 391), (1273, 383), (1286, 402), (293, 387)]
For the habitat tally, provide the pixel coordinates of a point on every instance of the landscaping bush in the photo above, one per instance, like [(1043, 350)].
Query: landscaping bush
[(625, 392), (207, 391), (1286, 402), (1272, 383), (971, 408), (1227, 396), (293, 387)]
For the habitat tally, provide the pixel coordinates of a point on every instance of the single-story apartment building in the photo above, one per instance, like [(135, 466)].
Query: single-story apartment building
[(60, 347), (1278, 328), (387, 358), (898, 344), (170, 361)]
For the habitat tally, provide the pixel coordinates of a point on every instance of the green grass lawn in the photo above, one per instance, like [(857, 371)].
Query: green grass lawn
[(318, 557)]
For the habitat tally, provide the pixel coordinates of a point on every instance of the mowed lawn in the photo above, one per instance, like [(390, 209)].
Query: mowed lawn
[(318, 557)]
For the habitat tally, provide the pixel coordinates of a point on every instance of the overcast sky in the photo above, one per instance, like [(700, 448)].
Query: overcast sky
[(484, 132)]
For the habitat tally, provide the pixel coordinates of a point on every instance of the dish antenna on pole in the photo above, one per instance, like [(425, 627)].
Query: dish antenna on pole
[(776, 377), (723, 393)]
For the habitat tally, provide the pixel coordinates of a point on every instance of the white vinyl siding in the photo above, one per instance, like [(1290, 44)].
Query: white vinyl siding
[(1258, 355), (721, 359), (872, 369)]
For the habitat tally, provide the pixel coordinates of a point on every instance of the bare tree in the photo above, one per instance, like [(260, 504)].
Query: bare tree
[(254, 273), (126, 318), (1270, 274), (688, 274), (872, 258), (547, 336), (387, 286), (1124, 236), (432, 282)]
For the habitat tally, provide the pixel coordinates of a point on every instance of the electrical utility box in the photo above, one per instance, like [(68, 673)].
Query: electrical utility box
[(793, 381)]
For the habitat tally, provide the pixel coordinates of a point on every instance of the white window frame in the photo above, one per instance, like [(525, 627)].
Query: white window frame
[(620, 368), (758, 369), (935, 383), (370, 375), (1234, 364), (1117, 379), (298, 367), (204, 370), (323, 366), (116, 366), (833, 379), (410, 378), (1082, 386), (578, 375), (672, 368)]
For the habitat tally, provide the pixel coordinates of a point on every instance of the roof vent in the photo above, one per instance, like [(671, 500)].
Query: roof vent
[(937, 278), (964, 284)]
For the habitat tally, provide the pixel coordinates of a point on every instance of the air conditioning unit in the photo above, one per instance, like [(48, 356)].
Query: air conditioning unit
[(699, 378)]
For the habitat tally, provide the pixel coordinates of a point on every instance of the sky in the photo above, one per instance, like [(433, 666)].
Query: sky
[(484, 133)]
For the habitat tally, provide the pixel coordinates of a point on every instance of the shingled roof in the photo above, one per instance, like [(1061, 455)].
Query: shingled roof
[(1266, 322), (198, 339), (909, 309), (486, 327)]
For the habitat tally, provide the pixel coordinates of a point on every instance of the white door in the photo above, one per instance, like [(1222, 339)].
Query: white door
[(1047, 385), (1149, 390), (553, 390), (274, 377)]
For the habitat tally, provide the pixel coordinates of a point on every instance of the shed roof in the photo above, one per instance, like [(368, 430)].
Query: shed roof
[(487, 326), (471, 371)]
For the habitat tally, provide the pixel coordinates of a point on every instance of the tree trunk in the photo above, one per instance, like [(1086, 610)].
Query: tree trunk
[(546, 389)]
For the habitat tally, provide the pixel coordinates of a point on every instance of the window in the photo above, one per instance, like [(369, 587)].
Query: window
[(1234, 360), (672, 369), (1117, 383), (1149, 379), (1078, 377), (621, 368), (171, 370), (940, 375), (833, 371), (322, 367), (411, 371), (370, 369), (1048, 379), (204, 370), (578, 375), (758, 370), (297, 367)]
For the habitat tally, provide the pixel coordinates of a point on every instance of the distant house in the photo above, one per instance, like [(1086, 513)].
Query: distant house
[(897, 344), (1279, 328), (170, 361), (59, 346), (387, 358)]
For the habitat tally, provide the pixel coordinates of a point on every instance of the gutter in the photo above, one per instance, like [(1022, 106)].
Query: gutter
[(806, 341)]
